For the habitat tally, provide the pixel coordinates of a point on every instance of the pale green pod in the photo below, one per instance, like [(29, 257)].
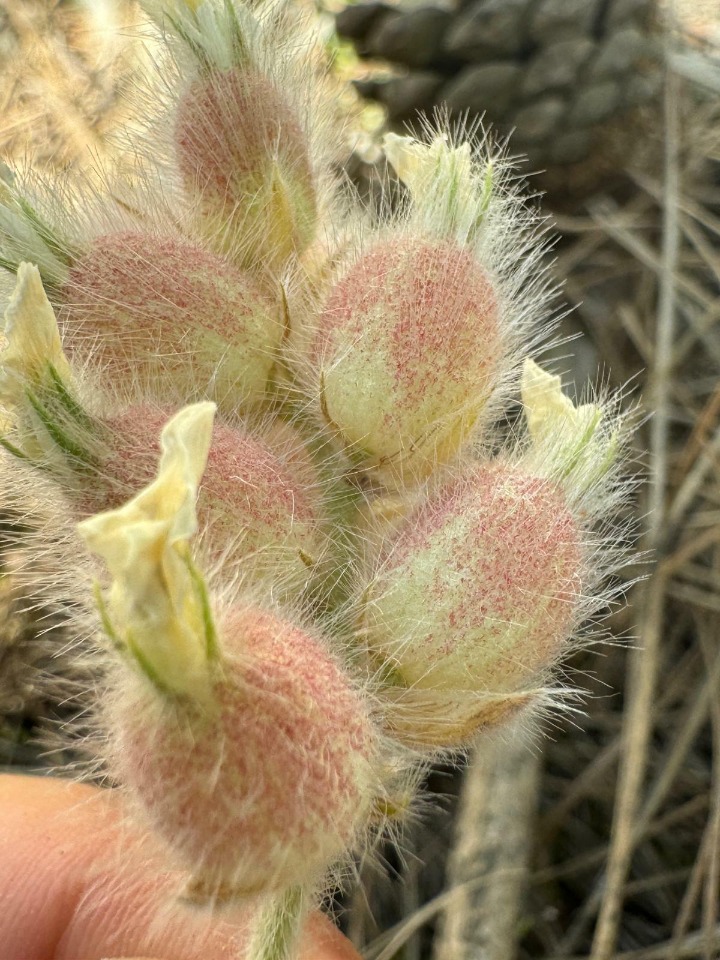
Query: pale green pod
[(166, 313), (245, 162), (409, 346), (473, 601)]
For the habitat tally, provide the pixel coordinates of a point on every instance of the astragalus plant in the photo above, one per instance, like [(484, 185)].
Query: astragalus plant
[(264, 450)]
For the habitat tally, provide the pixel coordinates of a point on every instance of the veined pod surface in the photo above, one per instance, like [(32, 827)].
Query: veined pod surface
[(244, 157), (167, 312), (408, 345), (474, 600)]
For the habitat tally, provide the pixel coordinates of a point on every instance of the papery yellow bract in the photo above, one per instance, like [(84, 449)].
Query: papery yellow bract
[(566, 436), (418, 164), (32, 340), (448, 189), (547, 409), (156, 608), (32, 366)]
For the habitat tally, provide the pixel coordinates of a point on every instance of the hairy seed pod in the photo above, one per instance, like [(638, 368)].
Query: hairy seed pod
[(271, 783), (260, 500), (244, 156), (408, 346), (170, 314), (474, 600)]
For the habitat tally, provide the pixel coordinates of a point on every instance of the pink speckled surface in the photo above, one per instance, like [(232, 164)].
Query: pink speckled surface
[(408, 339), (230, 129), (225, 126), (262, 505), (270, 789), (480, 589), (140, 303)]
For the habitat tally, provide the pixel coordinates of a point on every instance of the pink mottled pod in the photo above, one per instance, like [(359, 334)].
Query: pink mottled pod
[(260, 503), (472, 602), (169, 314), (408, 346), (271, 782), (244, 158), (237, 731)]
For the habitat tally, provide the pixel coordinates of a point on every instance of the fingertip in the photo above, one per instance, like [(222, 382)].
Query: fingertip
[(83, 883), (323, 941)]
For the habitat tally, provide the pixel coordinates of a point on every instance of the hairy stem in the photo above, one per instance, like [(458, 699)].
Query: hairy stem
[(278, 926)]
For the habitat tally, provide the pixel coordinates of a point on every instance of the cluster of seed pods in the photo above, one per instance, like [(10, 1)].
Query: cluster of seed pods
[(320, 544)]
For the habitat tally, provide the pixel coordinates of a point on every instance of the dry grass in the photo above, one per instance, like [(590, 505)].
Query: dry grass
[(603, 840), (65, 70)]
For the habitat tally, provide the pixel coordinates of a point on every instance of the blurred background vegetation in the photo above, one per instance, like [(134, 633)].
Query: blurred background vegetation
[(600, 836)]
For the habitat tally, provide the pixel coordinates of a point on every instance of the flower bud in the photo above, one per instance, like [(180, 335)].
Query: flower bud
[(26, 234), (32, 339), (473, 600), (157, 608), (408, 346), (244, 156), (41, 420), (168, 313), (450, 192)]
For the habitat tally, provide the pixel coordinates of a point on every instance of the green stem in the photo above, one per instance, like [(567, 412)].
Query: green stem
[(278, 926)]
